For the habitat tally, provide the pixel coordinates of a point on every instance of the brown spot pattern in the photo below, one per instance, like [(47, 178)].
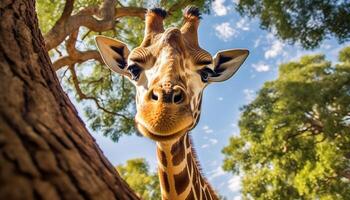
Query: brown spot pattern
[(181, 181), (189, 161), (164, 181), (204, 196), (187, 141), (162, 157), (207, 193), (196, 185), (178, 151), (190, 196)]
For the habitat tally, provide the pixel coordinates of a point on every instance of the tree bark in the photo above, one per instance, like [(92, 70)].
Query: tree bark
[(46, 151)]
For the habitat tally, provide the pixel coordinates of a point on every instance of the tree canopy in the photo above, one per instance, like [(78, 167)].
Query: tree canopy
[(294, 140), (307, 22), (145, 183), (69, 28)]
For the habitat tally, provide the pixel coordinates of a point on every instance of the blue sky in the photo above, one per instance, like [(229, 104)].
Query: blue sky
[(222, 29)]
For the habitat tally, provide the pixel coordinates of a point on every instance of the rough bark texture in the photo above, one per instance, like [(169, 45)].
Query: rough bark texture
[(45, 150)]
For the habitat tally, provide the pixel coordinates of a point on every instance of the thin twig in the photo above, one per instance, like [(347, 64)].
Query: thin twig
[(82, 96), (63, 74), (85, 35), (119, 3), (58, 51)]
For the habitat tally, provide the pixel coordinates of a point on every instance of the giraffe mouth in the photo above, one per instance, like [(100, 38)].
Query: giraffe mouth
[(162, 121), (158, 137)]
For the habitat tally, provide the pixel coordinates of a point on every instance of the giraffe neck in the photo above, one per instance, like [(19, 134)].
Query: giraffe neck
[(179, 173)]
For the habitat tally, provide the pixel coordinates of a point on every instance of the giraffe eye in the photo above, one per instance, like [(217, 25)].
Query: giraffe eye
[(205, 73), (135, 71)]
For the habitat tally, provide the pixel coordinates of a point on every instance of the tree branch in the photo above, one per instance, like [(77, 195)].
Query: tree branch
[(107, 10), (94, 18), (345, 173), (130, 12), (316, 125), (75, 56), (61, 30), (84, 96), (67, 11), (70, 44), (81, 56)]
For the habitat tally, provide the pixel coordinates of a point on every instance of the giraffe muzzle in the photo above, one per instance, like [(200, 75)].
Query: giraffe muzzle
[(167, 94), (165, 112)]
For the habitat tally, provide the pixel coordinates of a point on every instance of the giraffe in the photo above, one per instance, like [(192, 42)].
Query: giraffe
[(170, 71)]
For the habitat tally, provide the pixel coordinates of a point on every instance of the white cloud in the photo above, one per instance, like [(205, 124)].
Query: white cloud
[(261, 67), (276, 47), (257, 42), (207, 129), (220, 98), (325, 46), (224, 31), (249, 94), (238, 197), (219, 8), (234, 125), (234, 184), (213, 141), (243, 24), (217, 172), (204, 146)]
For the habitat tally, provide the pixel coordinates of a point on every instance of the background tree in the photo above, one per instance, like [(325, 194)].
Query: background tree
[(69, 28), (306, 22), (145, 183), (294, 140), (45, 150)]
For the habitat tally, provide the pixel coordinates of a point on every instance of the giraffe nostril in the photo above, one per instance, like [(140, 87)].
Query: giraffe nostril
[(178, 97), (154, 96)]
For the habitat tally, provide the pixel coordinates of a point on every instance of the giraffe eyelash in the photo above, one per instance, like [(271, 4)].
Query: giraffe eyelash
[(205, 73), (135, 71)]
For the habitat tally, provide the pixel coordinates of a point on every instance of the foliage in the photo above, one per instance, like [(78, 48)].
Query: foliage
[(136, 173), (307, 22), (96, 83), (116, 93), (294, 140)]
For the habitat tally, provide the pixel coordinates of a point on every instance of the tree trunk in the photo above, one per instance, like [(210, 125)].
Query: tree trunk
[(45, 150)]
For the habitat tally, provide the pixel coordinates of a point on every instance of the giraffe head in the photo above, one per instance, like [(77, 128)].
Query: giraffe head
[(170, 71)]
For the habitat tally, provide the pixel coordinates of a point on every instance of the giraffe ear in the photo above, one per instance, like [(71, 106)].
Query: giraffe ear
[(226, 63), (114, 53)]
